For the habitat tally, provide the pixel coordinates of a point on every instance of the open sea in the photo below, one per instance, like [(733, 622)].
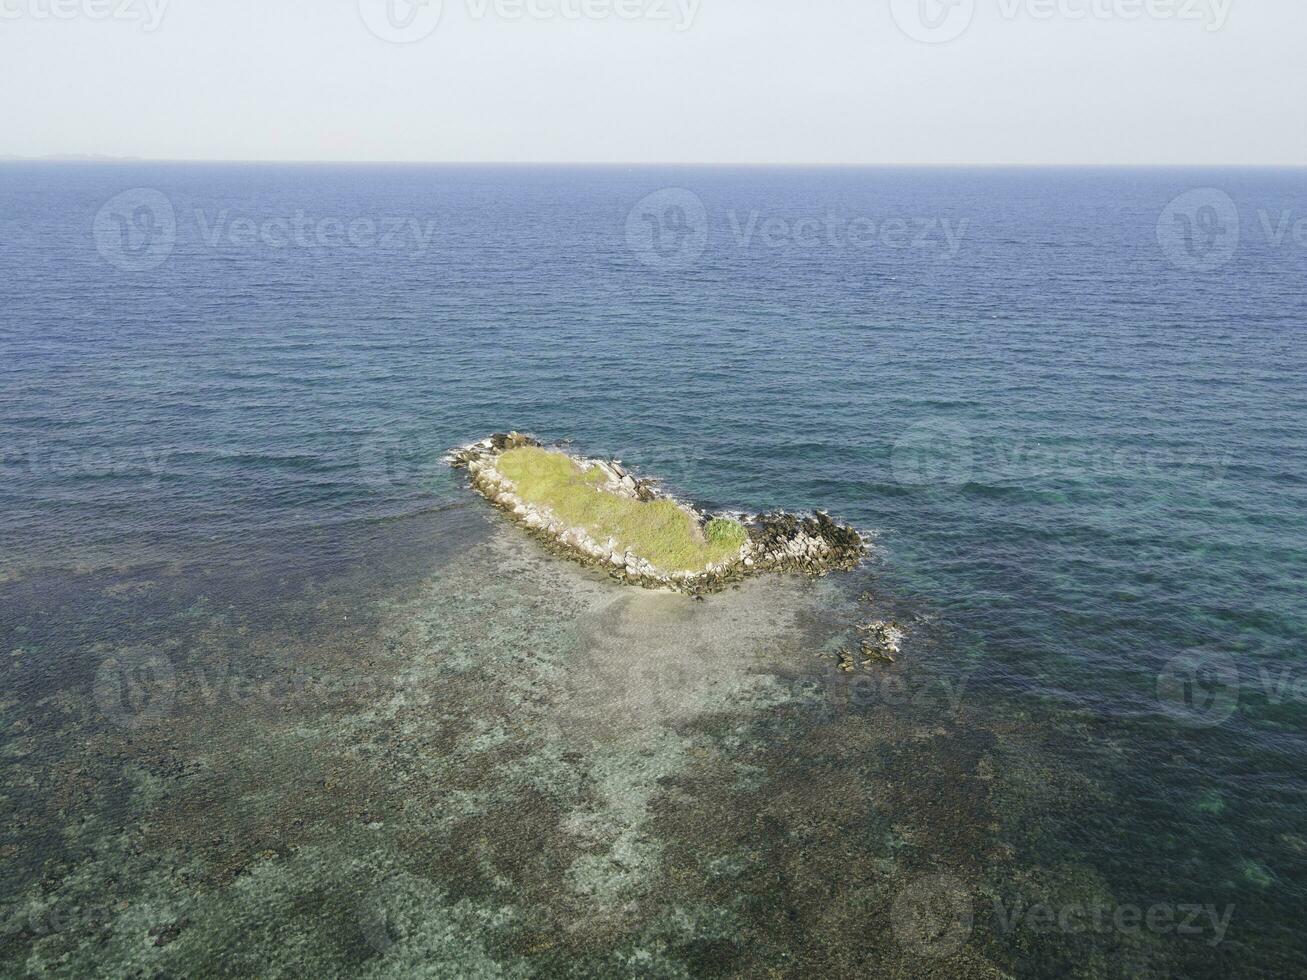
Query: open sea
[(281, 697)]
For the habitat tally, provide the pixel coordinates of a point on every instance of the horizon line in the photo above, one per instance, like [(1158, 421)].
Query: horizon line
[(103, 158)]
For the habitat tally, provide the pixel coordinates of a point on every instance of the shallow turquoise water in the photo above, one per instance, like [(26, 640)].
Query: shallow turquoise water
[(1082, 457)]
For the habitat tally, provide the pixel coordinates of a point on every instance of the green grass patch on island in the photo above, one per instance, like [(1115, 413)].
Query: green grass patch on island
[(657, 530)]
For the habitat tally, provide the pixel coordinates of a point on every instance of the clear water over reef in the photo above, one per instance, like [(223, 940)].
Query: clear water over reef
[(281, 696)]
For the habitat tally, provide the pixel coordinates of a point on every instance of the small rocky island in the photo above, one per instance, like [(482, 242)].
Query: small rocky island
[(596, 512)]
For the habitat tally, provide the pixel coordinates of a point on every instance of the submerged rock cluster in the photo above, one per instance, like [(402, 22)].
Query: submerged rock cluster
[(779, 541), (877, 641)]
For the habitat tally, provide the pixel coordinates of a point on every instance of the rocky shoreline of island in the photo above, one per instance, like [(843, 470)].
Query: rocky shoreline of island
[(809, 544)]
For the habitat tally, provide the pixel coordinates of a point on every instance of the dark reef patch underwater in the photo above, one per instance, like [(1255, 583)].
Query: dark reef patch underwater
[(509, 766)]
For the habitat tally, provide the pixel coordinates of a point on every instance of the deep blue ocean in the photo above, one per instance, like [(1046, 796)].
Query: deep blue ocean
[(1069, 405)]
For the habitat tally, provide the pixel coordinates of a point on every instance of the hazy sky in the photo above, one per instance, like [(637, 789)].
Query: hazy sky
[(820, 81)]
